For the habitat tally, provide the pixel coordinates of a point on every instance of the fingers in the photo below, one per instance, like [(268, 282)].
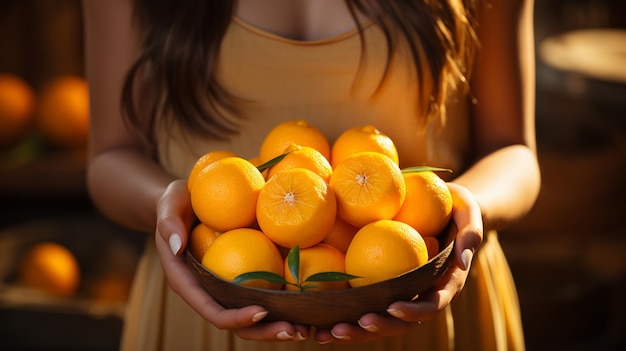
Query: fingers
[(468, 218), (277, 331), (369, 328), (175, 216), (244, 321), (174, 220), (182, 281)]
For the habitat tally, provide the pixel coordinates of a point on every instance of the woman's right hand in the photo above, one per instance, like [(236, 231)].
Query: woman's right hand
[(175, 218)]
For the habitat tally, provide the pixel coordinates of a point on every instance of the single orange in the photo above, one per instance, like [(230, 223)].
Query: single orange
[(428, 203), (315, 259), (224, 193), (50, 267), (369, 186), (244, 250), (204, 161), (17, 101), (296, 207), (340, 235), (358, 139), (298, 132), (256, 161), (303, 157), (383, 250), (200, 237), (63, 111)]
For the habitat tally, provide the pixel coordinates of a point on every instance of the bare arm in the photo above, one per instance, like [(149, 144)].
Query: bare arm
[(505, 180), (124, 183), (128, 186)]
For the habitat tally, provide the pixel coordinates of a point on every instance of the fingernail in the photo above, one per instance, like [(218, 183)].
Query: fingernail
[(258, 316), (395, 313), (299, 337), (340, 337), (369, 327), (175, 243), (466, 258), (283, 335)]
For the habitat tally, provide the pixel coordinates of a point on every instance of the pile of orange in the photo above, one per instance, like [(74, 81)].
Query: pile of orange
[(348, 207), (58, 112)]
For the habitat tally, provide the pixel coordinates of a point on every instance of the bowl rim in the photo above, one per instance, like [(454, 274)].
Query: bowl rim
[(323, 292)]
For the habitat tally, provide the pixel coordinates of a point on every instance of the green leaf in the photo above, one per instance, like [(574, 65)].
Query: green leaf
[(330, 277), (417, 169), (293, 262), (309, 286), (268, 276), (271, 162)]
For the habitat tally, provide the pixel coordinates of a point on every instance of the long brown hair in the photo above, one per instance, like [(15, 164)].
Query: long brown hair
[(180, 45)]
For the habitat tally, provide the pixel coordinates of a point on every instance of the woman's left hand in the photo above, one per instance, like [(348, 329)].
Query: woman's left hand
[(404, 316), (174, 219)]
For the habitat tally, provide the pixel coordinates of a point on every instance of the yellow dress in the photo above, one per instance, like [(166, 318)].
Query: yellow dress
[(329, 84)]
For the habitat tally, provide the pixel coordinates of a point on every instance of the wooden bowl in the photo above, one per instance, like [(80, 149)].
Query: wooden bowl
[(327, 308)]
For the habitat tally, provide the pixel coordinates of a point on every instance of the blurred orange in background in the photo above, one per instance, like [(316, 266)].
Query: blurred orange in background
[(17, 101), (50, 267), (63, 111)]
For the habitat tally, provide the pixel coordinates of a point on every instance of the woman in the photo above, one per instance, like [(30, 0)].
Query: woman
[(451, 82)]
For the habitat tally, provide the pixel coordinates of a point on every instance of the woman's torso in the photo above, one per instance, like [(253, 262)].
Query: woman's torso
[(321, 77)]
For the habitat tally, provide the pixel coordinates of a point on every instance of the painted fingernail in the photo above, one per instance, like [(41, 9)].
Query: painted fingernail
[(466, 257), (299, 337), (175, 243), (395, 313), (258, 316), (283, 335), (340, 337), (369, 327)]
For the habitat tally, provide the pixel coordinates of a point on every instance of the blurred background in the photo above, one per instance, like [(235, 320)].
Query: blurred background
[(567, 255)]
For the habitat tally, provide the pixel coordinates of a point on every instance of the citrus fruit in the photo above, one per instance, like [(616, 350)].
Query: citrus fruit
[(340, 235), (204, 161), (224, 193), (17, 100), (317, 259), (383, 250), (244, 250), (296, 207), (428, 203), (358, 139), (432, 244), (63, 111), (369, 186), (303, 157), (256, 161), (50, 267), (298, 132), (111, 286), (200, 237)]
